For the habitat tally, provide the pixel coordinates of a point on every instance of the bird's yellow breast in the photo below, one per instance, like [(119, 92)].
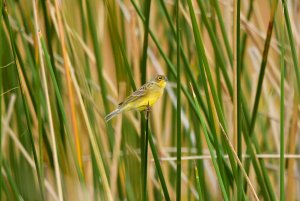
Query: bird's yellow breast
[(147, 100)]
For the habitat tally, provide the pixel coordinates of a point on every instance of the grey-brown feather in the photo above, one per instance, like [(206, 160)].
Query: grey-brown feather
[(112, 114), (138, 93), (142, 91)]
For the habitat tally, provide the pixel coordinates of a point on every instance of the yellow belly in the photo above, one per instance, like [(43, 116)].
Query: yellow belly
[(145, 101)]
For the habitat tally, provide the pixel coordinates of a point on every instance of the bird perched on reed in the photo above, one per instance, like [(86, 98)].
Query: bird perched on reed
[(143, 98)]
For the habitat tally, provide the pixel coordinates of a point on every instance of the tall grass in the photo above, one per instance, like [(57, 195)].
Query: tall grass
[(225, 129), (178, 114)]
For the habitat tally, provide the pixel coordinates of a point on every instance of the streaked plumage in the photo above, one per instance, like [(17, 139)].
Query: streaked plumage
[(139, 100)]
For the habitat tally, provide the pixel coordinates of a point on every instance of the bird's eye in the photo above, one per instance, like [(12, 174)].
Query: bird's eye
[(159, 78)]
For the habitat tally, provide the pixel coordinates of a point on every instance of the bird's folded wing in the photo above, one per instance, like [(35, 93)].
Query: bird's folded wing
[(135, 95)]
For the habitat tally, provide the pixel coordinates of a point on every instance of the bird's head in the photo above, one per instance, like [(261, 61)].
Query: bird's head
[(161, 80)]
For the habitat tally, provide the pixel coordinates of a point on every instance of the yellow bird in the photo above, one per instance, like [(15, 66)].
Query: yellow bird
[(143, 98)]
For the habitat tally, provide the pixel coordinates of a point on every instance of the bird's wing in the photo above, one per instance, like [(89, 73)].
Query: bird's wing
[(138, 93)]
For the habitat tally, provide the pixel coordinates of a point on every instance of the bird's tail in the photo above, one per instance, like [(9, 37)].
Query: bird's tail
[(112, 114)]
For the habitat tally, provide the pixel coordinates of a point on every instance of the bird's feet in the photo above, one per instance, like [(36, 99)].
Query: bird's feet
[(148, 109)]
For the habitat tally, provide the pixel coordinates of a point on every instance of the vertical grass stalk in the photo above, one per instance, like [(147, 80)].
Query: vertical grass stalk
[(1, 4), (198, 182), (41, 63), (292, 43), (263, 66), (245, 36), (282, 72), (144, 171), (258, 93), (158, 168), (223, 31), (143, 69), (143, 65), (238, 101), (178, 175)]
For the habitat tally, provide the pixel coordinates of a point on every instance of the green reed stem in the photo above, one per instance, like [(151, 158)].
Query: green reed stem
[(198, 182), (258, 93), (178, 175), (245, 35), (144, 171), (263, 67), (282, 76), (238, 99), (223, 31), (1, 5), (158, 168), (143, 67), (292, 43)]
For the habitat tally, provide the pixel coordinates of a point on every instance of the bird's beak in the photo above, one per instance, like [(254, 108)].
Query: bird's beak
[(166, 79)]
